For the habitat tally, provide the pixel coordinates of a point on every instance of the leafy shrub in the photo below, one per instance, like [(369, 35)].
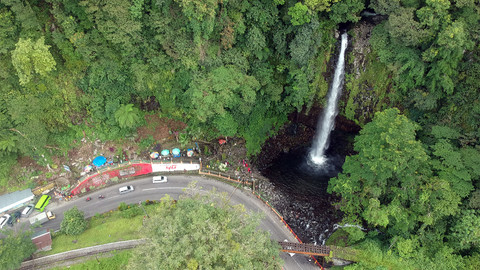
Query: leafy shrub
[(132, 211), (146, 143), (74, 222), (123, 206)]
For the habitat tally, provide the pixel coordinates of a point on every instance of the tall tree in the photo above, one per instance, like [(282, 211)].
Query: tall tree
[(31, 57), (390, 182), (15, 248), (223, 97), (73, 222), (204, 232)]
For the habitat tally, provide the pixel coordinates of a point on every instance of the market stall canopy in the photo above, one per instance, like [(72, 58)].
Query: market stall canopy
[(88, 168), (99, 161), (165, 152), (222, 141), (176, 152), (154, 155), (190, 153)]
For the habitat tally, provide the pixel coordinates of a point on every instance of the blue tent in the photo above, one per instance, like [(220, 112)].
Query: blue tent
[(99, 161), (165, 152)]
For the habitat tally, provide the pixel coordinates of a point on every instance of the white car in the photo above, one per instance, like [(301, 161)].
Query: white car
[(159, 179), (27, 211), (4, 220), (126, 189)]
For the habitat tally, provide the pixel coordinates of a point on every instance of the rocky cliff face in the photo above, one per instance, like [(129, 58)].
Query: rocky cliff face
[(367, 81)]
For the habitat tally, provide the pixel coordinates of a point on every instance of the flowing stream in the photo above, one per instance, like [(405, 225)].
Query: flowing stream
[(326, 122)]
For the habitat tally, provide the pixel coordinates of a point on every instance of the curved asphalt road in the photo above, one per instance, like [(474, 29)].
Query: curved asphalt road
[(145, 189)]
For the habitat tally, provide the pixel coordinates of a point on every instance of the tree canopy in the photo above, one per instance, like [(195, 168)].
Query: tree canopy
[(204, 232), (15, 248), (73, 222), (412, 191)]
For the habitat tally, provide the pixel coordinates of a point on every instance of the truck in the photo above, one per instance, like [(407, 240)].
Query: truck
[(42, 218)]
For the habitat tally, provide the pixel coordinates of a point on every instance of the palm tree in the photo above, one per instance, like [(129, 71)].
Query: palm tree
[(127, 116)]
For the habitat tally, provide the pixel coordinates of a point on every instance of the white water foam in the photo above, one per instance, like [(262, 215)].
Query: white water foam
[(326, 122)]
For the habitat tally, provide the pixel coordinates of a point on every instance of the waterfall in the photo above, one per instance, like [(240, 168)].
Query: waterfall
[(327, 121)]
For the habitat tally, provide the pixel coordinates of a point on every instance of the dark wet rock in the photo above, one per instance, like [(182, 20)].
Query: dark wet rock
[(294, 192)]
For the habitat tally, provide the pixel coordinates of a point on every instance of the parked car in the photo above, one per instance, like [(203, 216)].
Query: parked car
[(126, 189), (27, 210), (3, 220), (159, 179), (10, 221)]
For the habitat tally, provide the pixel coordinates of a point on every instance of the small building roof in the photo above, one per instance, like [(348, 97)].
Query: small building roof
[(42, 239), (10, 200)]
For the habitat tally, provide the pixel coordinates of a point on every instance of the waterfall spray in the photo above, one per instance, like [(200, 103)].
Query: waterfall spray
[(326, 122)]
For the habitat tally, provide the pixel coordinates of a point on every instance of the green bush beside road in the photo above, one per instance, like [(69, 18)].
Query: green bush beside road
[(117, 261), (104, 228)]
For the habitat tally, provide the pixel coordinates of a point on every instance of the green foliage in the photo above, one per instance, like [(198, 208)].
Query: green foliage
[(123, 206), (392, 183), (128, 116), (73, 222), (187, 228), (299, 13), (183, 139), (373, 85), (117, 261), (472, 262), (6, 163), (8, 31), (466, 231), (428, 40), (319, 5), (346, 11), (14, 248), (385, 146), (146, 143), (411, 191), (354, 234), (31, 57), (474, 201), (371, 255), (132, 211)]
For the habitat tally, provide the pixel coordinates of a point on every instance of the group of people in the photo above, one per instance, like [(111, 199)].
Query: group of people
[(246, 165)]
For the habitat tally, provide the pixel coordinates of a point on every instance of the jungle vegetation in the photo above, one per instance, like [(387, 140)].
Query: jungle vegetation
[(239, 68)]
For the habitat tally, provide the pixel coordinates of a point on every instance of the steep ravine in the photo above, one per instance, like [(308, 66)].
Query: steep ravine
[(293, 188)]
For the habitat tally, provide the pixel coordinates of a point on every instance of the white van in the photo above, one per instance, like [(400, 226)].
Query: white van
[(126, 189), (159, 179)]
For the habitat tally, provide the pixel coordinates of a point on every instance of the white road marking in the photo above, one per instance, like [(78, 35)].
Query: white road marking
[(295, 260), (147, 189)]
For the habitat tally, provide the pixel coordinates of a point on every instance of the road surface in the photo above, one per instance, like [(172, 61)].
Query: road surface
[(146, 190)]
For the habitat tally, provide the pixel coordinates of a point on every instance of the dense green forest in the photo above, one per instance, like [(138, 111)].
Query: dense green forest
[(239, 68)]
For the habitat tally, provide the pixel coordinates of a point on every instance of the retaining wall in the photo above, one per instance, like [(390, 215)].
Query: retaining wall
[(68, 255)]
